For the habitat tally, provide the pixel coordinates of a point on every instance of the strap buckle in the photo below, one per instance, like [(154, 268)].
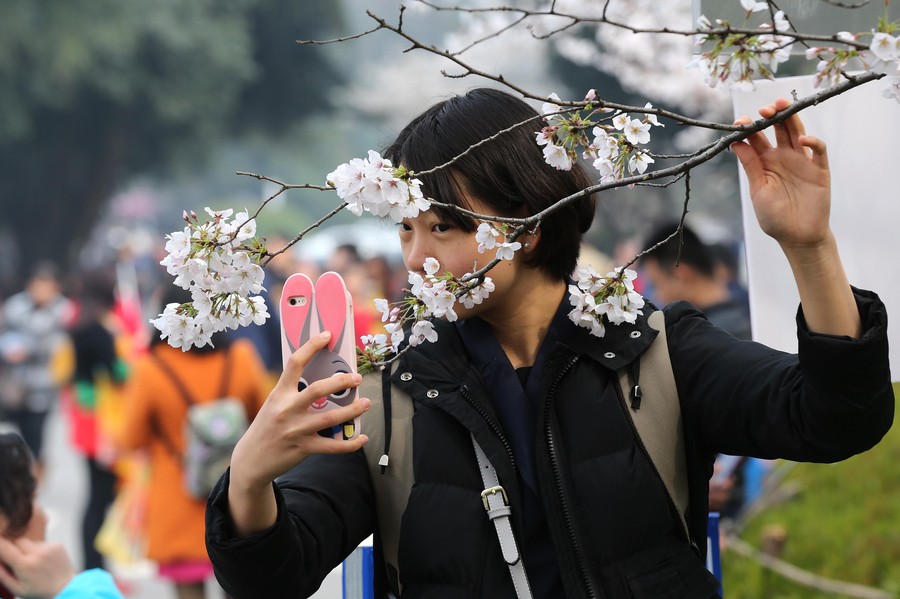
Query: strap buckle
[(493, 491)]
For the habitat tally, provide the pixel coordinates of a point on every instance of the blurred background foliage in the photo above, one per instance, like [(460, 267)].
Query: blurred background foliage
[(94, 92)]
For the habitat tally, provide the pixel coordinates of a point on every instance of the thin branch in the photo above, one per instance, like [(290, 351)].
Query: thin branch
[(493, 35), (603, 20), (661, 185), (843, 5), (482, 142), (470, 70), (342, 39), (302, 233), (684, 213)]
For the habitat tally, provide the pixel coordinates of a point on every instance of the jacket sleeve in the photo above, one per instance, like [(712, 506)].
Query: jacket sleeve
[(831, 400), (91, 584), (325, 509)]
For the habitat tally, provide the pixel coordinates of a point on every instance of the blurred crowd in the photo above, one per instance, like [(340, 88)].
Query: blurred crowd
[(80, 343)]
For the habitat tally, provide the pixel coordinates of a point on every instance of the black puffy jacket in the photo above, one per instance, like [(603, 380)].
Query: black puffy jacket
[(611, 525)]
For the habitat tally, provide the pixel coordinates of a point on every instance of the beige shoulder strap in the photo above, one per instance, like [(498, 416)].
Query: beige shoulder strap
[(392, 488), (658, 421)]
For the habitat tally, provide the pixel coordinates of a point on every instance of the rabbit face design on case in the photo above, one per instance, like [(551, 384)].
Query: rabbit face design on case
[(306, 311)]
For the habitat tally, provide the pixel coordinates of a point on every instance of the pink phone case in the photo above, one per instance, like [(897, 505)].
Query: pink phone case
[(307, 310)]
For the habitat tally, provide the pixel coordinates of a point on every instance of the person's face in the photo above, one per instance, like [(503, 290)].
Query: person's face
[(427, 236), (666, 284), (43, 290)]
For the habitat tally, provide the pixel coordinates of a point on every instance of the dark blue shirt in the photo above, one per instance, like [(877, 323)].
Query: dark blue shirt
[(517, 406)]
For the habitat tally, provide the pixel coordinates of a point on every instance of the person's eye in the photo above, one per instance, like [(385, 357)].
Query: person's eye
[(404, 227), (442, 227)]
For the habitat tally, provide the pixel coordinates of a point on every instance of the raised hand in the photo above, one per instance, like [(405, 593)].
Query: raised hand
[(790, 183), (790, 186), (34, 569), (284, 434)]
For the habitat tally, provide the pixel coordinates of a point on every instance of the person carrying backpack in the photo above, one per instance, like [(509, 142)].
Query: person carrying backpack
[(167, 389), (512, 457)]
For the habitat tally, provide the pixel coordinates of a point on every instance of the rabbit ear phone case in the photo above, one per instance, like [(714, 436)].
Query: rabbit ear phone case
[(307, 310)]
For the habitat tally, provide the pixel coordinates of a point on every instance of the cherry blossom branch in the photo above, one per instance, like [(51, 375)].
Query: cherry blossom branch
[(470, 70), (603, 20)]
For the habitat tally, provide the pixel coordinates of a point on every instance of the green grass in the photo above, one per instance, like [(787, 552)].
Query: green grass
[(844, 524)]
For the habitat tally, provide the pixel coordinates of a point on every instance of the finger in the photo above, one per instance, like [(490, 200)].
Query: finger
[(9, 580), (339, 416), (758, 140), (334, 446), (819, 150), (325, 387), (293, 370), (782, 133), (749, 160)]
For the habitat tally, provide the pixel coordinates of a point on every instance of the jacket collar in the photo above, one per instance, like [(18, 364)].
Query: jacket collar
[(446, 364)]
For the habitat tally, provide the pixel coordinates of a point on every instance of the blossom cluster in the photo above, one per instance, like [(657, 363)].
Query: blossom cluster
[(374, 185), (431, 296), (736, 59), (614, 147), (884, 47), (612, 296), (486, 236), (218, 262)]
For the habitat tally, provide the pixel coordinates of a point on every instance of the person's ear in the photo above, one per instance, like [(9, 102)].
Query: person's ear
[(531, 240)]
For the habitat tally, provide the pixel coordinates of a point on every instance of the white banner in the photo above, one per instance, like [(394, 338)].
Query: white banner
[(861, 130)]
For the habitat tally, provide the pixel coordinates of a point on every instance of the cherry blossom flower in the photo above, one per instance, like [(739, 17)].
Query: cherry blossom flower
[(557, 157), (422, 330), (620, 121), (486, 237), (639, 161), (637, 132), (431, 266), (752, 6), (885, 46), (651, 118), (506, 250)]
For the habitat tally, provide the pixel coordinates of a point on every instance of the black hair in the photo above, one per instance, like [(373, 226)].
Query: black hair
[(693, 252), (176, 295), (17, 484), (45, 269), (508, 174), (97, 293)]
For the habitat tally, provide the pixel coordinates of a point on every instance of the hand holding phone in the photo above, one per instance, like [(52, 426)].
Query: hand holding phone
[(307, 310)]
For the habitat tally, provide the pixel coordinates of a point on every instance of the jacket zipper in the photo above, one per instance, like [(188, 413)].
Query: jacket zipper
[(557, 475), (491, 422)]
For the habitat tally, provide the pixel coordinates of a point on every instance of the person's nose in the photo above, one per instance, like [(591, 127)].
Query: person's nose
[(416, 251)]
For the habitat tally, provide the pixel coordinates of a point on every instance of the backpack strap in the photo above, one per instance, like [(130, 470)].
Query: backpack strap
[(656, 417), (156, 426), (392, 479)]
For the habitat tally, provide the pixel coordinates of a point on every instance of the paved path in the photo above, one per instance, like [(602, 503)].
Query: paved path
[(63, 495)]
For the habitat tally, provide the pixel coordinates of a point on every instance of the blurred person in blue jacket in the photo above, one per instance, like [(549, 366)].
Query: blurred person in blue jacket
[(31, 567)]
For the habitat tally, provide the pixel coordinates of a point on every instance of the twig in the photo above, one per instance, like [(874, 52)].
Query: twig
[(302, 233), (805, 577), (342, 39), (843, 5), (687, 198)]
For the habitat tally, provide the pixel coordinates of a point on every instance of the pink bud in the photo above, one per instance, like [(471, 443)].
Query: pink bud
[(184, 215), (193, 215), (590, 95)]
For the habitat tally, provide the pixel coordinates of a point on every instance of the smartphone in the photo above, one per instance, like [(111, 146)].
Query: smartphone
[(306, 311)]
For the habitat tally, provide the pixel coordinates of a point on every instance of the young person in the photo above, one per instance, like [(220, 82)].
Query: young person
[(541, 397), (29, 565)]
